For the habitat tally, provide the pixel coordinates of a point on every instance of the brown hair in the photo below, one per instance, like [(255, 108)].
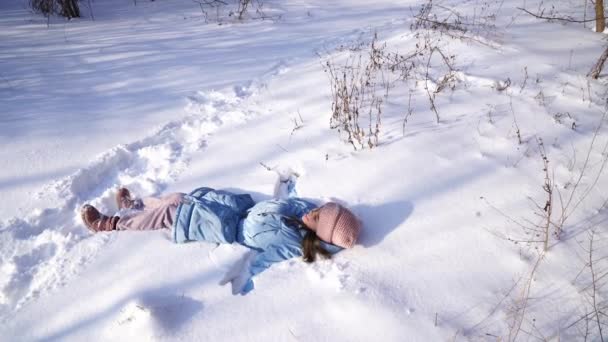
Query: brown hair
[(311, 246)]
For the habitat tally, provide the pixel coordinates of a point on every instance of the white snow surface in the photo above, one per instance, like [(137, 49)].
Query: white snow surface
[(153, 97)]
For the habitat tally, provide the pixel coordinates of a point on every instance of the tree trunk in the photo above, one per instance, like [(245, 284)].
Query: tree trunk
[(600, 21)]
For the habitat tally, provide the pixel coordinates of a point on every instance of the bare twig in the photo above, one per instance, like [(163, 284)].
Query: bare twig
[(448, 78), (91, 10), (297, 124), (523, 85), (592, 291), (455, 25), (497, 306), (426, 87), (518, 132), (266, 166), (566, 210), (540, 16), (599, 65), (522, 302), (409, 111), (547, 210)]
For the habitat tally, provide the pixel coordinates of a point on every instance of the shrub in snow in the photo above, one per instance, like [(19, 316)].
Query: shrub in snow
[(239, 9), (361, 75), (359, 89), (65, 8)]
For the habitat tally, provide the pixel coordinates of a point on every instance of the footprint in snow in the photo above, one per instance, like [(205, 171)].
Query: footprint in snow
[(153, 316), (146, 165), (329, 274)]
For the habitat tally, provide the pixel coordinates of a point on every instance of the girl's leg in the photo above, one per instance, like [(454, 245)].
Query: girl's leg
[(155, 202), (158, 213)]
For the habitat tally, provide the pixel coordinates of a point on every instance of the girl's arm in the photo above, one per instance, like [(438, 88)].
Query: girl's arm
[(259, 262)]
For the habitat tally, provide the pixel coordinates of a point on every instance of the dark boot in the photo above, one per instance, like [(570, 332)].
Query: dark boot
[(125, 201), (97, 222)]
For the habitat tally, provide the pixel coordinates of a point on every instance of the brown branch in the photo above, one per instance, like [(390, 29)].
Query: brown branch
[(518, 131), (599, 65), (540, 16), (525, 296), (566, 211), (594, 287)]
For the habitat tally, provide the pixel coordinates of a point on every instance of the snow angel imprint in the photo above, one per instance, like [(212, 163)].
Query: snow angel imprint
[(275, 230)]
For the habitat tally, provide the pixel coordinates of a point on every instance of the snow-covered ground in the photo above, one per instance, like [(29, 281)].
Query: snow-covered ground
[(153, 97)]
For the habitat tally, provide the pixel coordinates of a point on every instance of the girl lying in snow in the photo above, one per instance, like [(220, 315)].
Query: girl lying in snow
[(277, 229)]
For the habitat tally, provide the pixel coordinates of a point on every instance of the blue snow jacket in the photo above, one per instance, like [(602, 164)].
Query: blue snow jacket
[(269, 227), (210, 215)]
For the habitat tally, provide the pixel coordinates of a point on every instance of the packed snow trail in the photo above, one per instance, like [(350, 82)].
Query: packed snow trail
[(40, 251)]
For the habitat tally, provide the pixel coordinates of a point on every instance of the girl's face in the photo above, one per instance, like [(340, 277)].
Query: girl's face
[(311, 219)]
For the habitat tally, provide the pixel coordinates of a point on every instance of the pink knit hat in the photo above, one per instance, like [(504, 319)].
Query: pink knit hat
[(338, 225)]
